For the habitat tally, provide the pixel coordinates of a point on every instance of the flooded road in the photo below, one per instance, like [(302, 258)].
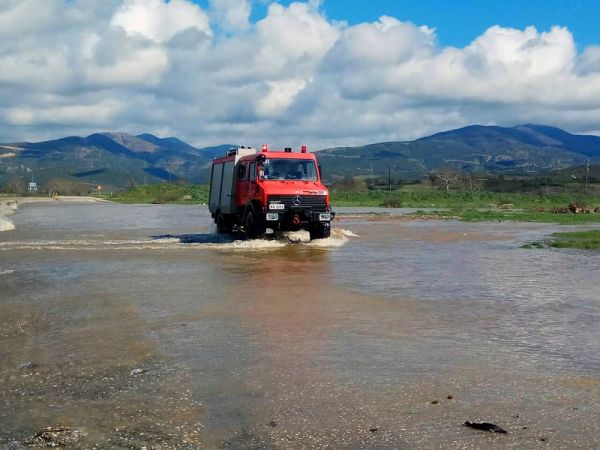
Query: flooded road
[(139, 327)]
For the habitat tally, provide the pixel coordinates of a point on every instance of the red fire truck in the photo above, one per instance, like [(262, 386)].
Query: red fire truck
[(269, 191)]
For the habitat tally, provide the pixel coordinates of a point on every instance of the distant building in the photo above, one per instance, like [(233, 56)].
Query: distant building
[(32, 186)]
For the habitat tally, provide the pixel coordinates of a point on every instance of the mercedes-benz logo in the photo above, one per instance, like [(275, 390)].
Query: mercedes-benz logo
[(297, 200)]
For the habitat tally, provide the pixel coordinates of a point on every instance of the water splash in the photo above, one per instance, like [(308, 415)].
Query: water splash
[(346, 233), (6, 210), (178, 242), (7, 272), (6, 224)]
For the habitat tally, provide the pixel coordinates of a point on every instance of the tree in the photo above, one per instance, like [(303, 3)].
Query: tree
[(444, 177), (14, 186), (64, 186)]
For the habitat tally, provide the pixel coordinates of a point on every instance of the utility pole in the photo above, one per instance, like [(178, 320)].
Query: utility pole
[(170, 165), (389, 178), (587, 171)]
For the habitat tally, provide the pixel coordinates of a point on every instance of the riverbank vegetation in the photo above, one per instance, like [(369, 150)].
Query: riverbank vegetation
[(558, 199), (467, 205), (164, 193), (586, 240), (517, 215), (470, 197), (462, 200), (577, 239)]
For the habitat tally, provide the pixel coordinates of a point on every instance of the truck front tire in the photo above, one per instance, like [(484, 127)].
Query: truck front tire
[(253, 225)]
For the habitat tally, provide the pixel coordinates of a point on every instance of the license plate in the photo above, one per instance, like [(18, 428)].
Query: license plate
[(276, 206)]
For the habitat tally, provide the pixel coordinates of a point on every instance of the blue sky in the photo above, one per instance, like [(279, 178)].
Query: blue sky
[(458, 22)]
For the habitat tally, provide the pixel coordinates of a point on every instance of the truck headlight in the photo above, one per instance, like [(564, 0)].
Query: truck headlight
[(324, 217), (272, 216)]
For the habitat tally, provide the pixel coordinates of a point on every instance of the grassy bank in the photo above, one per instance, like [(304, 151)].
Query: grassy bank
[(586, 240), (164, 193), (432, 198), (470, 215), (469, 206), (478, 206), (577, 239)]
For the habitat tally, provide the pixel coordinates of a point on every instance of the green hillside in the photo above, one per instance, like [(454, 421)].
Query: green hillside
[(525, 149), (121, 160), (112, 160)]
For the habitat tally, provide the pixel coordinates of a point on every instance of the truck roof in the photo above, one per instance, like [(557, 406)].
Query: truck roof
[(273, 154)]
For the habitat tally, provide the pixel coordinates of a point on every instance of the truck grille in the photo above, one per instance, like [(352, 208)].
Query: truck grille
[(300, 201)]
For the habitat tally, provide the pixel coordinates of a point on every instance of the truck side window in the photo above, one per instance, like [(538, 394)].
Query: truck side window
[(242, 172), (252, 172)]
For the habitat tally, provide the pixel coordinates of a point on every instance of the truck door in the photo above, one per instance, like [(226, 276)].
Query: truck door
[(252, 186), (241, 185)]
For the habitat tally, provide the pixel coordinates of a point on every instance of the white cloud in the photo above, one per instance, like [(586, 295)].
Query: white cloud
[(100, 113), (296, 34), (160, 21), (280, 96), (231, 15), (115, 60), (79, 66), (26, 15), (589, 62)]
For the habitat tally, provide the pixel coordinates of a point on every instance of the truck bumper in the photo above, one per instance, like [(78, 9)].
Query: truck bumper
[(296, 218)]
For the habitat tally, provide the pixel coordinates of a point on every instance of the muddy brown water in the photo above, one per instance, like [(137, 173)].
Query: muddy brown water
[(388, 340)]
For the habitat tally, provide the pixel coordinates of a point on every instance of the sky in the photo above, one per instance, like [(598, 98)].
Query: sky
[(323, 73)]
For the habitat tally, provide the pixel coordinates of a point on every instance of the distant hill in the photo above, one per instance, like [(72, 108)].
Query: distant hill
[(111, 159), (117, 160), (524, 149)]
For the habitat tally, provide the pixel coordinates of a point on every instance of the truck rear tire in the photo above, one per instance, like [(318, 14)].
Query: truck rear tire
[(320, 231), (253, 226), (224, 224)]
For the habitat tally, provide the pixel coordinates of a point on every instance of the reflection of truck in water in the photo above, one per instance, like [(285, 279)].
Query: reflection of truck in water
[(269, 190)]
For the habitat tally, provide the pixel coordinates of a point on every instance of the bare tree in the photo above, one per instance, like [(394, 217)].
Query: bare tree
[(14, 186), (63, 186), (474, 181), (445, 177)]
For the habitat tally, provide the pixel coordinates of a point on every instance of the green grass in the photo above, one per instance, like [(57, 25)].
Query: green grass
[(468, 206), (164, 193), (589, 240), (585, 240), (517, 216), (455, 199)]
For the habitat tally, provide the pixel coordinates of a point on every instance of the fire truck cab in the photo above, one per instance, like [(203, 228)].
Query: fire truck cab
[(258, 192)]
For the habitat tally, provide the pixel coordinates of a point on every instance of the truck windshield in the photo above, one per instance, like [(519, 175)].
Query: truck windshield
[(290, 169)]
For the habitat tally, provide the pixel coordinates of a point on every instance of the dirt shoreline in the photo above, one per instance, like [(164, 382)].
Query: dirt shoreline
[(10, 200)]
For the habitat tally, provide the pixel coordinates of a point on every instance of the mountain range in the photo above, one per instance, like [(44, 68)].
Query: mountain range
[(524, 149), (112, 159), (119, 159)]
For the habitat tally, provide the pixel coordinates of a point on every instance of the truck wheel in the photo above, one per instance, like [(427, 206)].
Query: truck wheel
[(223, 224), (252, 225), (320, 231)]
